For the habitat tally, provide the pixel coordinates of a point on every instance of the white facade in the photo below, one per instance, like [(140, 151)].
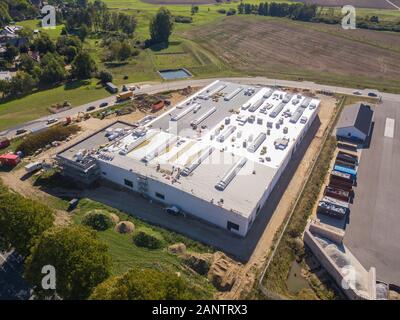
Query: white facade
[(217, 155)]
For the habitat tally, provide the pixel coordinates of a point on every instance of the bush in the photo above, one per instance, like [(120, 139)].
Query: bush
[(36, 141), (143, 239), (105, 76), (145, 284), (183, 19), (231, 12), (98, 220), (222, 11)]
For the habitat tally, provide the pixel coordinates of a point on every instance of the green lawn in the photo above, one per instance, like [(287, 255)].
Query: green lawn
[(181, 53), (35, 105), (36, 24), (126, 255)]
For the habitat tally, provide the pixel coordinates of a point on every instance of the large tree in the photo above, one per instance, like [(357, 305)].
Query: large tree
[(22, 221), (161, 26), (83, 66), (143, 284), (80, 260)]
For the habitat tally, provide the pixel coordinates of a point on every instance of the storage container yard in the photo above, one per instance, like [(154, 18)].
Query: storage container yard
[(213, 155)]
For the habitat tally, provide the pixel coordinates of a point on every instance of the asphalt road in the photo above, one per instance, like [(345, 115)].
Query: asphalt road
[(373, 231), (175, 85)]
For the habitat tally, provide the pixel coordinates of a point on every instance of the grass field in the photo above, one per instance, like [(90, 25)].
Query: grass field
[(126, 255), (214, 45), (35, 105), (283, 48)]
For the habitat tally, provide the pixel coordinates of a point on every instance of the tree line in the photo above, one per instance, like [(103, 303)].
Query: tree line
[(81, 260), (295, 11), (16, 10)]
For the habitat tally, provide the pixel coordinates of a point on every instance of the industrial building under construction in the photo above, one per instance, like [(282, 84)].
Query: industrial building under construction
[(217, 155)]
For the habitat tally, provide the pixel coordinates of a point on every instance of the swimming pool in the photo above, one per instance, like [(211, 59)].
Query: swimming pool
[(171, 74)]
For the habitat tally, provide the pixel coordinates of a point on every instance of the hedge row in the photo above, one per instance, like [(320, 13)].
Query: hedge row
[(36, 141)]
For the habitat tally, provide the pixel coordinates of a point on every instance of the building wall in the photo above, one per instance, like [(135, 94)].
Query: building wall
[(189, 203), (354, 133)]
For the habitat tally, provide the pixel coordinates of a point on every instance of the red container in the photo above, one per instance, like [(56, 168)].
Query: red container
[(158, 106), (9, 159)]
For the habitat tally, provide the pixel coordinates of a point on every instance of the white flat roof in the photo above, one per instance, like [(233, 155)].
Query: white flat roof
[(175, 144)]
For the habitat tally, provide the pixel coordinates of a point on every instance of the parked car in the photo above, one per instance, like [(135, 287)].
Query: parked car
[(21, 131), (103, 104), (372, 94), (91, 108), (358, 93), (175, 211), (73, 204), (51, 120)]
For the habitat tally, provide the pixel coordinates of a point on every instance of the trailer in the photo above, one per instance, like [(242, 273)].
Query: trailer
[(331, 209), (345, 164), (31, 167), (337, 194), (343, 169), (341, 185), (124, 96), (342, 176)]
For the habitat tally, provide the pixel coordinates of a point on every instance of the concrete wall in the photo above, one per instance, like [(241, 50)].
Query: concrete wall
[(331, 267), (188, 202)]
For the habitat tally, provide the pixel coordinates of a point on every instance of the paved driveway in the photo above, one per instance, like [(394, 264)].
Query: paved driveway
[(373, 233)]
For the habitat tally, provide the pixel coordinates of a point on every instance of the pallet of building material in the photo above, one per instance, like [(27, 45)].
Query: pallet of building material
[(337, 194), (342, 176), (331, 209)]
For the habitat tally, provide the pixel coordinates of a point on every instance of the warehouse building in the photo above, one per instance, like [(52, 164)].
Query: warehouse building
[(355, 122), (216, 155)]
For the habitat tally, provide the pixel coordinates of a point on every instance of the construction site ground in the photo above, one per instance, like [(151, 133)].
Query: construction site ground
[(252, 251)]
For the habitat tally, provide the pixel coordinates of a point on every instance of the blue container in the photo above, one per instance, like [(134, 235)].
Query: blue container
[(352, 172)]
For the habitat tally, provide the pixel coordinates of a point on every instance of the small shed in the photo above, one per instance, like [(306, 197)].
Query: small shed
[(355, 122)]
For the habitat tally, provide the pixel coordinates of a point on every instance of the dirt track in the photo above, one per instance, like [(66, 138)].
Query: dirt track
[(376, 4)]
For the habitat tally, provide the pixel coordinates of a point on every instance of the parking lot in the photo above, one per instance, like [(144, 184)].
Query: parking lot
[(373, 230)]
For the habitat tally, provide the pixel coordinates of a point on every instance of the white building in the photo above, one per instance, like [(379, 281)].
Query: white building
[(355, 122), (217, 155)]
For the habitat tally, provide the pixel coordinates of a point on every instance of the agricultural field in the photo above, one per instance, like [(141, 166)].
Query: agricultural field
[(282, 48)]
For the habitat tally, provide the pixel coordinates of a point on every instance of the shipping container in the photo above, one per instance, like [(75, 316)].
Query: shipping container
[(124, 96), (158, 106), (337, 194), (331, 209), (9, 159), (345, 164), (343, 169), (341, 185), (342, 176), (348, 155)]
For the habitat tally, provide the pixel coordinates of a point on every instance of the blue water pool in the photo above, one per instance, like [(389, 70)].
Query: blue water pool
[(174, 74)]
